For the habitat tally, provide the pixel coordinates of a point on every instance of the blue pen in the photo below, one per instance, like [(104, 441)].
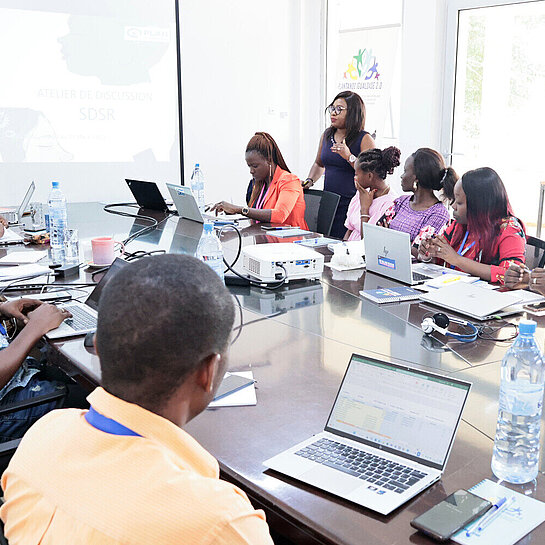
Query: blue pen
[(478, 525), (495, 514), (3, 330)]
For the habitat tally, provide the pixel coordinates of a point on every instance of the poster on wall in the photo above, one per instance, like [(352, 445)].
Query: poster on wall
[(365, 65)]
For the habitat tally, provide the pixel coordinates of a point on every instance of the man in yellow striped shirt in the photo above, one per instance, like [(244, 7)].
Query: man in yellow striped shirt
[(125, 471)]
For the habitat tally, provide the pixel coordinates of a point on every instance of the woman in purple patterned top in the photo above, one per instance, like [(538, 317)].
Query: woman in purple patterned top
[(425, 172)]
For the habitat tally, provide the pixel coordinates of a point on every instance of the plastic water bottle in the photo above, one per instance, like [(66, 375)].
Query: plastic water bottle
[(209, 249), (516, 446), (197, 187), (57, 216)]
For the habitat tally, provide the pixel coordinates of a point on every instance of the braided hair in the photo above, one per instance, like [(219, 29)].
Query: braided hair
[(381, 162), (264, 144)]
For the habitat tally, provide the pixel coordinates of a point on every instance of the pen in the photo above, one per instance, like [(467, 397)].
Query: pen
[(491, 515), (3, 330)]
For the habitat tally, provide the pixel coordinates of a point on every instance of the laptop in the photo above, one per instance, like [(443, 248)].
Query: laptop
[(187, 207), (14, 214), (84, 315), (147, 195), (388, 252), (474, 301), (387, 438)]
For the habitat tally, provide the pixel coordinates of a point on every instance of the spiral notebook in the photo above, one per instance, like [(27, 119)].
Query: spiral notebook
[(520, 518)]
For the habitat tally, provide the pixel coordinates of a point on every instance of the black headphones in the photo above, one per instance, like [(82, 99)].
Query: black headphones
[(439, 322)]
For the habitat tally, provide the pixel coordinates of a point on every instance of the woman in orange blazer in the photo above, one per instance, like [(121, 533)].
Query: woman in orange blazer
[(276, 195)]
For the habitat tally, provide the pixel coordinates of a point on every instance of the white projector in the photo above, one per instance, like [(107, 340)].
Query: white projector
[(264, 261)]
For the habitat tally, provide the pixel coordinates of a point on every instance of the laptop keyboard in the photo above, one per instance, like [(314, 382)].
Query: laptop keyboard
[(371, 468), (417, 277), (81, 319)]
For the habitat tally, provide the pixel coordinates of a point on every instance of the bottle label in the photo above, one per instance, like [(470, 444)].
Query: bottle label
[(521, 398)]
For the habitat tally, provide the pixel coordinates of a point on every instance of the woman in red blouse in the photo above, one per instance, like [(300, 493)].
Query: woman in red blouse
[(485, 237), (276, 195)]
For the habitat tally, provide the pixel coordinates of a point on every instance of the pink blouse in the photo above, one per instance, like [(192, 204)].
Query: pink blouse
[(376, 211)]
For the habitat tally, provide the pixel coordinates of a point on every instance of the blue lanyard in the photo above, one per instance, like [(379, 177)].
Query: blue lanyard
[(107, 425), (461, 250)]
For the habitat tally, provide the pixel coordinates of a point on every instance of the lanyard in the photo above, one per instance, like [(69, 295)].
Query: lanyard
[(461, 250), (107, 425), (260, 201)]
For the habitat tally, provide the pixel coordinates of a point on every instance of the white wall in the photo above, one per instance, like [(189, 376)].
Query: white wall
[(422, 63), (247, 66)]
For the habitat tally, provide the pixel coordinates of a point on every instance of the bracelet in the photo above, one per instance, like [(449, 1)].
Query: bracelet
[(426, 260), (365, 216)]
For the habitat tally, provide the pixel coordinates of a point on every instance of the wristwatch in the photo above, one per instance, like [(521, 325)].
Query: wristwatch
[(245, 210), (352, 159)]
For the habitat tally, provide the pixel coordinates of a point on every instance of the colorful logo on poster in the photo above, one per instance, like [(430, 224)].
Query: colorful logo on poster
[(363, 69)]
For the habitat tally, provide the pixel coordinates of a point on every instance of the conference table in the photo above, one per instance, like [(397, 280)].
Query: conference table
[(297, 341)]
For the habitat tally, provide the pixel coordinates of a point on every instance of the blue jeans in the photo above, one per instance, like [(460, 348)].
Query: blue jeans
[(14, 425)]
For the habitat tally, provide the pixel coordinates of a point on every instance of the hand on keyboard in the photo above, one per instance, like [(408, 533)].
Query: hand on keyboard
[(47, 317)]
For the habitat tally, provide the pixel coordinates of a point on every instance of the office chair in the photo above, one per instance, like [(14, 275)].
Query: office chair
[(535, 252), (320, 209), (8, 449)]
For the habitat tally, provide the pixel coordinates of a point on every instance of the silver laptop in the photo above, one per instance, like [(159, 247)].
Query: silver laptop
[(84, 315), (388, 252), (14, 214), (388, 436), (187, 207), (474, 301)]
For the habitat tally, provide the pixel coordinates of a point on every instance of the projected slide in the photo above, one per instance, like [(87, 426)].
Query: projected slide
[(97, 84)]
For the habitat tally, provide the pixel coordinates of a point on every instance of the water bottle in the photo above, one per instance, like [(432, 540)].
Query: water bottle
[(57, 217), (516, 446), (197, 187), (209, 249)]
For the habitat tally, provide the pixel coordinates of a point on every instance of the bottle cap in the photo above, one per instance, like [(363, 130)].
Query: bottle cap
[(197, 165), (55, 185), (527, 327), (209, 227)]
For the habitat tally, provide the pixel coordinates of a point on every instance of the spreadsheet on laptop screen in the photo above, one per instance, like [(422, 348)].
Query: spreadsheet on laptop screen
[(399, 409)]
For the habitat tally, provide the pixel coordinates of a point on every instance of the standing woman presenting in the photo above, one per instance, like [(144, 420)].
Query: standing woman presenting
[(339, 147)]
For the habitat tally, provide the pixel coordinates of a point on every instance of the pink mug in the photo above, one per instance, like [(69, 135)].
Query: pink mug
[(104, 250)]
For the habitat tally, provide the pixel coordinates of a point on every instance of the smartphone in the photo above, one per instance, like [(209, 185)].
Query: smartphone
[(230, 384), (452, 514)]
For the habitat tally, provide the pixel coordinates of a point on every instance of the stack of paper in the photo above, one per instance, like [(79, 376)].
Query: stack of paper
[(21, 258)]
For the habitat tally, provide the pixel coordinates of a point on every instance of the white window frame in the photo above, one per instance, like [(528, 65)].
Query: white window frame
[(449, 74)]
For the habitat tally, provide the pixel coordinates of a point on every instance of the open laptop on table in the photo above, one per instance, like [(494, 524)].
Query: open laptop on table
[(388, 436), (84, 315), (14, 214), (388, 252), (187, 207), (147, 195)]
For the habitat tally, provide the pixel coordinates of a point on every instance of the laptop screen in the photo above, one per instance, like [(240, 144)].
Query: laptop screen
[(399, 409), (26, 200), (92, 300)]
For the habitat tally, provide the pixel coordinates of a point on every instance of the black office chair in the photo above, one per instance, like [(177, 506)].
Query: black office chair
[(535, 252), (320, 209), (8, 448)]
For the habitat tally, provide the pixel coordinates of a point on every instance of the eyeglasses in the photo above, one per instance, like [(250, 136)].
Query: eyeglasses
[(337, 110)]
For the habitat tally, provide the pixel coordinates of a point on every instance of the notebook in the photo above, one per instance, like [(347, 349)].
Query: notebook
[(521, 516), (371, 452), (391, 295)]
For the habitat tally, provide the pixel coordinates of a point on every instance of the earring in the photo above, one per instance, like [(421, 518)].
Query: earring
[(270, 170), (415, 185)]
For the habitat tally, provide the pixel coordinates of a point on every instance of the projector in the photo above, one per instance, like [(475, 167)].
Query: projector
[(264, 261)]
